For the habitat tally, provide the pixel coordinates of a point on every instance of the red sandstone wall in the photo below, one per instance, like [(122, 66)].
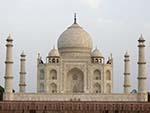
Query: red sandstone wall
[(73, 107)]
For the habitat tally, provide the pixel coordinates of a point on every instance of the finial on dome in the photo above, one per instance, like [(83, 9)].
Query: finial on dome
[(75, 18)]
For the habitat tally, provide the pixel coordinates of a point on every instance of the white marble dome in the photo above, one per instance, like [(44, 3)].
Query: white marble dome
[(96, 53), (54, 52), (75, 38)]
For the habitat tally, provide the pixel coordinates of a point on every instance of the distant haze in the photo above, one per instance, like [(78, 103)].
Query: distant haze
[(114, 25)]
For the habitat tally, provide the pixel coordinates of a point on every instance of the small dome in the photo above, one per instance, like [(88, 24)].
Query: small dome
[(54, 52), (9, 38), (126, 54), (22, 54), (96, 53), (141, 39)]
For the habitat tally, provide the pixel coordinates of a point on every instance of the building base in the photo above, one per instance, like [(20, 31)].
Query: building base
[(73, 107)]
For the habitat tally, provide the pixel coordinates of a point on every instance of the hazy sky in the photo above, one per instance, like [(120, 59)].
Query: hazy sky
[(114, 25)]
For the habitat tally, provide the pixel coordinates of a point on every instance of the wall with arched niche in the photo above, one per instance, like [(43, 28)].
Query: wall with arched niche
[(97, 75), (75, 81), (53, 88), (53, 75)]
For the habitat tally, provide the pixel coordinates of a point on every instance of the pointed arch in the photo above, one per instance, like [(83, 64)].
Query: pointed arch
[(53, 74), (53, 88), (97, 75), (75, 78)]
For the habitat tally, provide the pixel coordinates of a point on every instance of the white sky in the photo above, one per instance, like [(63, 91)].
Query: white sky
[(114, 25)]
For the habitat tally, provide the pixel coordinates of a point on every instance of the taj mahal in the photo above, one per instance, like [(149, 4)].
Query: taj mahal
[(74, 70)]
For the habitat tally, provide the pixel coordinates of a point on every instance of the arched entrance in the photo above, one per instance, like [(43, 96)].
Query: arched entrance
[(75, 81)]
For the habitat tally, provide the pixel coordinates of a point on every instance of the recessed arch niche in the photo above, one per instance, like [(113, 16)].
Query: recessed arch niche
[(75, 81)]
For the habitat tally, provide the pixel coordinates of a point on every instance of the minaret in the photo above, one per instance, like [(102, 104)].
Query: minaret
[(142, 78), (22, 85), (127, 82), (9, 69)]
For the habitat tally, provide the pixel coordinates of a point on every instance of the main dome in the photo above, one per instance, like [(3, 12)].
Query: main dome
[(74, 40), (75, 37)]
